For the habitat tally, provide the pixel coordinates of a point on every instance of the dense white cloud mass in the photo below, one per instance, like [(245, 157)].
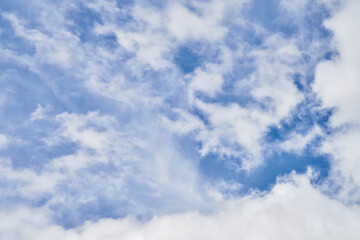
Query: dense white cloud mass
[(179, 119), (337, 80), (292, 210), (337, 83)]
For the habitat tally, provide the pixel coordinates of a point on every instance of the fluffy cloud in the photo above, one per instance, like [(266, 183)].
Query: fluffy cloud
[(337, 84), (337, 80), (236, 130), (201, 23), (293, 209)]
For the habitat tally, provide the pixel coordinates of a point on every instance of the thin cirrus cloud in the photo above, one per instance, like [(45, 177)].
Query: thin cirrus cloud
[(183, 120)]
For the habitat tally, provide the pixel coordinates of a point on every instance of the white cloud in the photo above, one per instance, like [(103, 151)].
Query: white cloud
[(184, 123), (25, 182), (337, 83), (233, 125), (343, 147), (203, 23), (90, 131), (147, 171), (152, 26), (11, 56), (295, 7), (206, 82), (4, 141), (60, 47), (145, 36), (150, 35), (292, 210), (297, 142), (209, 78), (39, 113), (155, 32), (86, 64), (337, 80), (236, 130), (272, 79)]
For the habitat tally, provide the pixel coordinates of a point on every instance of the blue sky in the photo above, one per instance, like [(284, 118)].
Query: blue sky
[(127, 119)]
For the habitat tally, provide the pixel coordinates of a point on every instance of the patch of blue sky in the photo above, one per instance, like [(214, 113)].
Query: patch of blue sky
[(13, 201), (215, 167), (243, 34), (278, 163), (323, 117), (35, 154), (302, 120), (187, 59), (70, 217), (188, 147), (230, 93), (313, 22), (108, 41), (104, 207), (192, 55), (24, 91), (82, 21), (25, 9), (304, 78), (98, 201), (159, 4), (282, 163), (39, 202), (12, 42), (139, 199), (274, 18), (268, 14), (224, 98), (124, 3), (54, 89), (330, 55), (81, 101), (27, 90), (298, 82)]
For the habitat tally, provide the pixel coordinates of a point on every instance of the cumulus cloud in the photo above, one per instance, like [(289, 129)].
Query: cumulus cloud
[(293, 209), (337, 84), (337, 79)]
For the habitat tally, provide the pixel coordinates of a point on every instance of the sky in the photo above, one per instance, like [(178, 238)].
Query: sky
[(202, 119)]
